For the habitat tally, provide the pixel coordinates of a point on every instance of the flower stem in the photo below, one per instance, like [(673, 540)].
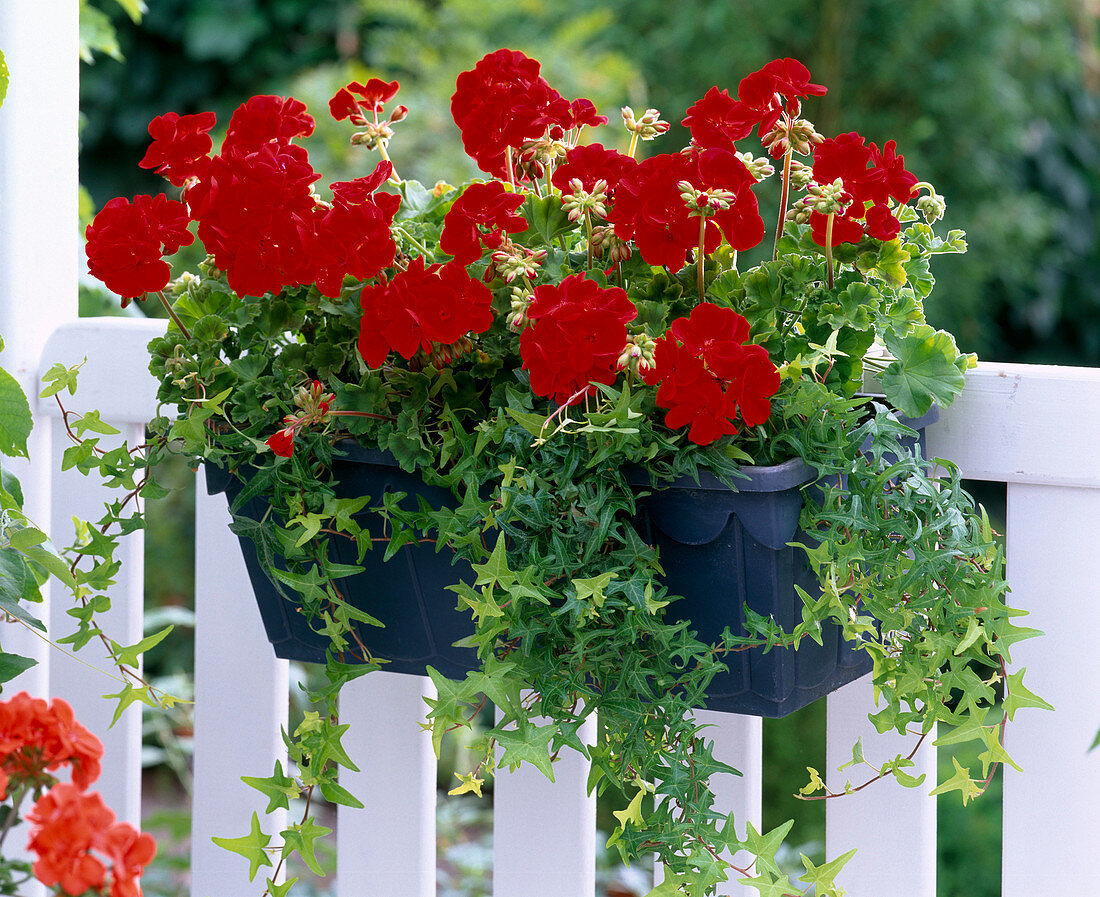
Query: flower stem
[(588, 231), (633, 144), (829, 250), (699, 261), (394, 179), (784, 195), (511, 172), (172, 314)]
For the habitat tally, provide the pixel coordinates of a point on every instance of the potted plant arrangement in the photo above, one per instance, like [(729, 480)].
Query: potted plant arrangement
[(553, 398)]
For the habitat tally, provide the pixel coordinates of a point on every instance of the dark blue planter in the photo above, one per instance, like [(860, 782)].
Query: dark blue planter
[(720, 550)]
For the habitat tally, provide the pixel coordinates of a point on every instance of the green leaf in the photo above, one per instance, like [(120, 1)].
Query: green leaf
[(11, 665), (15, 417), (135, 9), (5, 77), (250, 846), (822, 876), (17, 584), (280, 890), (527, 744), (765, 846), (97, 34), (1018, 695), (278, 788), (545, 219), (924, 372), (128, 655), (301, 838), (960, 782)]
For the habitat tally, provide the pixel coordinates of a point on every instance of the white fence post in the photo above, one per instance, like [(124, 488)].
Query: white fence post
[(544, 833), (39, 244), (1050, 809), (884, 815), (387, 849), (240, 706)]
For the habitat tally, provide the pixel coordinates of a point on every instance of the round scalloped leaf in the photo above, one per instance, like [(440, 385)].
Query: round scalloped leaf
[(924, 371)]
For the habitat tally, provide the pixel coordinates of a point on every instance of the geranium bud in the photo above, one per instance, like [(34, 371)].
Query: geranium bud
[(580, 199), (605, 240), (638, 354), (704, 203), (400, 113), (512, 261), (828, 199), (801, 175), (800, 213), (931, 206), (545, 151), (440, 188), (648, 126), (520, 302), (798, 135), (759, 168)]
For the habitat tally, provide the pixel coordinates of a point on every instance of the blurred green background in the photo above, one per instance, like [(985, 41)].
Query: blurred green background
[(993, 101)]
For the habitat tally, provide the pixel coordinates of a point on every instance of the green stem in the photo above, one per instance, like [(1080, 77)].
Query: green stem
[(511, 171), (172, 314), (783, 200), (588, 231), (633, 144), (394, 179), (423, 249), (699, 261), (14, 814), (829, 250)]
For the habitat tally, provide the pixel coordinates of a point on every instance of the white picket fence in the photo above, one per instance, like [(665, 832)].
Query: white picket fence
[(1035, 428)]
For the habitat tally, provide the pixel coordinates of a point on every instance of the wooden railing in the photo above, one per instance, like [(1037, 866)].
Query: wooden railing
[(1035, 428)]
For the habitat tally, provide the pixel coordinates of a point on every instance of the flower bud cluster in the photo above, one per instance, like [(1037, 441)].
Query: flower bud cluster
[(606, 241), (931, 206), (517, 315), (512, 262), (648, 126), (828, 199), (787, 134), (638, 354), (373, 134), (442, 355), (759, 168), (579, 200), (542, 152), (801, 175), (704, 203)]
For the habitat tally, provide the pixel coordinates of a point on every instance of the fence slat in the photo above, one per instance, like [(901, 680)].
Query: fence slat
[(1050, 829), (544, 834), (738, 741), (388, 848), (84, 497), (240, 706), (884, 815)]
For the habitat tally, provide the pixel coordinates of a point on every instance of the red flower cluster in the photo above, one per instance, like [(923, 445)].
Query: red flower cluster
[(592, 163), (482, 215), (650, 210), (372, 98), (67, 824), (181, 146), (577, 335), (37, 738), (255, 207), (708, 376), (127, 241), (762, 97), (419, 308), (504, 102), (873, 177)]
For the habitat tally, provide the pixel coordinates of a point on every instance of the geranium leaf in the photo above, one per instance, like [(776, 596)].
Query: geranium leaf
[(924, 371)]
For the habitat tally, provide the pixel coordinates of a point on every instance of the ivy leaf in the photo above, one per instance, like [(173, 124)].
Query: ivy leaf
[(15, 417), (468, 783), (278, 788), (301, 838), (1019, 696), (250, 846), (765, 846), (527, 744), (280, 890), (632, 815), (924, 372), (960, 782), (128, 655), (11, 665), (4, 78), (822, 876)]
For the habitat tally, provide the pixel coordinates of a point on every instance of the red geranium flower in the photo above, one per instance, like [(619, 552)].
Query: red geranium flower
[(181, 146), (650, 210), (717, 120), (266, 119), (37, 738), (282, 442), (577, 335), (127, 242), (483, 214), (591, 163), (502, 103), (708, 374), (761, 91), (421, 307), (583, 112), (373, 97)]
